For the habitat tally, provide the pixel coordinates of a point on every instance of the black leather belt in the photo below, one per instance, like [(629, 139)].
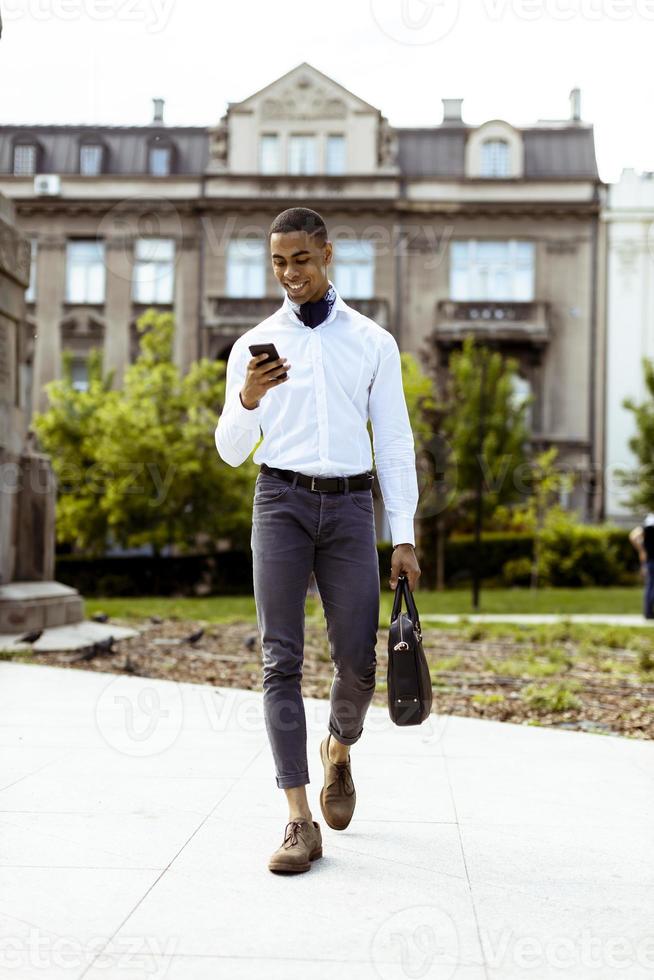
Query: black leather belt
[(332, 484)]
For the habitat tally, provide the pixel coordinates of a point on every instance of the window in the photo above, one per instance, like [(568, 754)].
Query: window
[(335, 159), (85, 272), (354, 269), (80, 373), (269, 156), (246, 268), (154, 265), (90, 159), (302, 155), (159, 161), (521, 393), (30, 292), (24, 159), (492, 270), (495, 158)]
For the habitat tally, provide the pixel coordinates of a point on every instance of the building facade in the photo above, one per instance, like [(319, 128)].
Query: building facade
[(629, 220), (438, 232)]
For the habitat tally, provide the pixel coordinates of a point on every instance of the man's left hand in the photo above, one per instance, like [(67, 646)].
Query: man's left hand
[(404, 562)]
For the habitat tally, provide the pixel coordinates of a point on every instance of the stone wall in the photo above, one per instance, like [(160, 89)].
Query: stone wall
[(27, 491)]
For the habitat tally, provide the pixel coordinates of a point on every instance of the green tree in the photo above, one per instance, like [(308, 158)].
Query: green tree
[(156, 477), (68, 431), (544, 482), (479, 400)]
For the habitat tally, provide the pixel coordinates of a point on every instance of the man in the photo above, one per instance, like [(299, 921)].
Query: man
[(313, 508), (642, 538)]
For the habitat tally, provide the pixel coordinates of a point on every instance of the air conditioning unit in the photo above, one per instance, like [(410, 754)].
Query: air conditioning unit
[(47, 184)]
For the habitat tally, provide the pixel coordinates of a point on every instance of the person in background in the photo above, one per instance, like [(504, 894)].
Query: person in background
[(642, 538)]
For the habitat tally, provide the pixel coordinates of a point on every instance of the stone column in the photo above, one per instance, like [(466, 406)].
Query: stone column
[(50, 297), (185, 343), (119, 257)]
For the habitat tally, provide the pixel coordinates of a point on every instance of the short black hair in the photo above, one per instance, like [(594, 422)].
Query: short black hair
[(299, 219)]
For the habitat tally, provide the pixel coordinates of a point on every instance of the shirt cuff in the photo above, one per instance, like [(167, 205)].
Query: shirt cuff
[(401, 529), (247, 417)]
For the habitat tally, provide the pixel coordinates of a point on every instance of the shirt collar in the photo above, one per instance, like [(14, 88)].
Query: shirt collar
[(292, 309)]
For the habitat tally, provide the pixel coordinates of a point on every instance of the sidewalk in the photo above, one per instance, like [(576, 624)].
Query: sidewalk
[(137, 817), (538, 619)]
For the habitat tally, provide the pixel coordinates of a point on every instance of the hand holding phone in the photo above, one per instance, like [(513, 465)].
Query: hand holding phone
[(266, 370)]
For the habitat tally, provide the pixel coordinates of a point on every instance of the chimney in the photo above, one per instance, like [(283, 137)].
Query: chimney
[(452, 110), (575, 105), (157, 115)]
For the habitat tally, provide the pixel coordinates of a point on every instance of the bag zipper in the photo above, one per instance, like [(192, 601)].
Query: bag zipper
[(402, 645)]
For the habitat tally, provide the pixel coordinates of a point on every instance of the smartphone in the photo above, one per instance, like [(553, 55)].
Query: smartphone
[(271, 351)]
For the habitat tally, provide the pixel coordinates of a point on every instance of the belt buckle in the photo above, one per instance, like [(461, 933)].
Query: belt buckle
[(313, 480)]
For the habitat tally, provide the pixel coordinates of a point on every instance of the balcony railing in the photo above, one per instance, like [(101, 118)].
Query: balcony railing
[(493, 320), (226, 312)]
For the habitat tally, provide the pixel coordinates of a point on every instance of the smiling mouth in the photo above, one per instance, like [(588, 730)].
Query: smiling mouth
[(297, 288)]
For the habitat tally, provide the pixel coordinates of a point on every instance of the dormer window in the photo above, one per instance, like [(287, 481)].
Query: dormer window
[(494, 150), (495, 159), (24, 159), (160, 156), (90, 159)]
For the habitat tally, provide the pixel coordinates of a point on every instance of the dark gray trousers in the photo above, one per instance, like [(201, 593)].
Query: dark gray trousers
[(294, 531)]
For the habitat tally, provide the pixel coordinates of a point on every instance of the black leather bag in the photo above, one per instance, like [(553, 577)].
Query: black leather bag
[(409, 681)]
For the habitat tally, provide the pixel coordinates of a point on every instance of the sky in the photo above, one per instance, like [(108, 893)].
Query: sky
[(102, 61)]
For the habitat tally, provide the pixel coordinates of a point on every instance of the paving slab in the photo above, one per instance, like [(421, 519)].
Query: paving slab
[(137, 817)]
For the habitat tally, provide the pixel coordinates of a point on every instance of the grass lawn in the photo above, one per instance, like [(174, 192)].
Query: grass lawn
[(227, 609)]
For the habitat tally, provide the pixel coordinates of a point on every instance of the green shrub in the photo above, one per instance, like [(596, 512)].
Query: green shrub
[(553, 697), (517, 571), (578, 554)]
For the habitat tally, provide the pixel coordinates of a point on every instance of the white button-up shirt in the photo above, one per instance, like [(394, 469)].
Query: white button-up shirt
[(342, 372)]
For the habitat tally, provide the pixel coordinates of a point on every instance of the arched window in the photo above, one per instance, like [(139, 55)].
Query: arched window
[(495, 160)]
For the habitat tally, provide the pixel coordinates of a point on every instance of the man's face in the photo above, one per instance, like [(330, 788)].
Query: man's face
[(300, 264)]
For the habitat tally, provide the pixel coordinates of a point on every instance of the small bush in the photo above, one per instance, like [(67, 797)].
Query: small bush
[(554, 697), (578, 554), (517, 571)]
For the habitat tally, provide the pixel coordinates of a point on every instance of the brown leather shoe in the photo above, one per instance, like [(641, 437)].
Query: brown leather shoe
[(302, 844), (338, 796)]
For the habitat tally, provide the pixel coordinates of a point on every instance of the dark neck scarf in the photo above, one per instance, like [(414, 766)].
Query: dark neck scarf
[(313, 314)]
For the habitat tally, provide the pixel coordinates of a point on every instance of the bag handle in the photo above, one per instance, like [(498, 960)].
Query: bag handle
[(402, 589)]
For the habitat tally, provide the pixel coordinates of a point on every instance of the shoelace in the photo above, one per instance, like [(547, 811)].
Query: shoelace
[(343, 778), (291, 836)]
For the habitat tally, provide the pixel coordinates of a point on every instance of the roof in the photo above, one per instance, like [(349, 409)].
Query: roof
[(550, 151), (126, 147)]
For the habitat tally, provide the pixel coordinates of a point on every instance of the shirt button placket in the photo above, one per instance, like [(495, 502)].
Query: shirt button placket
[(321, 397)]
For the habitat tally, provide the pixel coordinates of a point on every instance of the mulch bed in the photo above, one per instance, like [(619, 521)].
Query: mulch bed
[(468, 673)]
